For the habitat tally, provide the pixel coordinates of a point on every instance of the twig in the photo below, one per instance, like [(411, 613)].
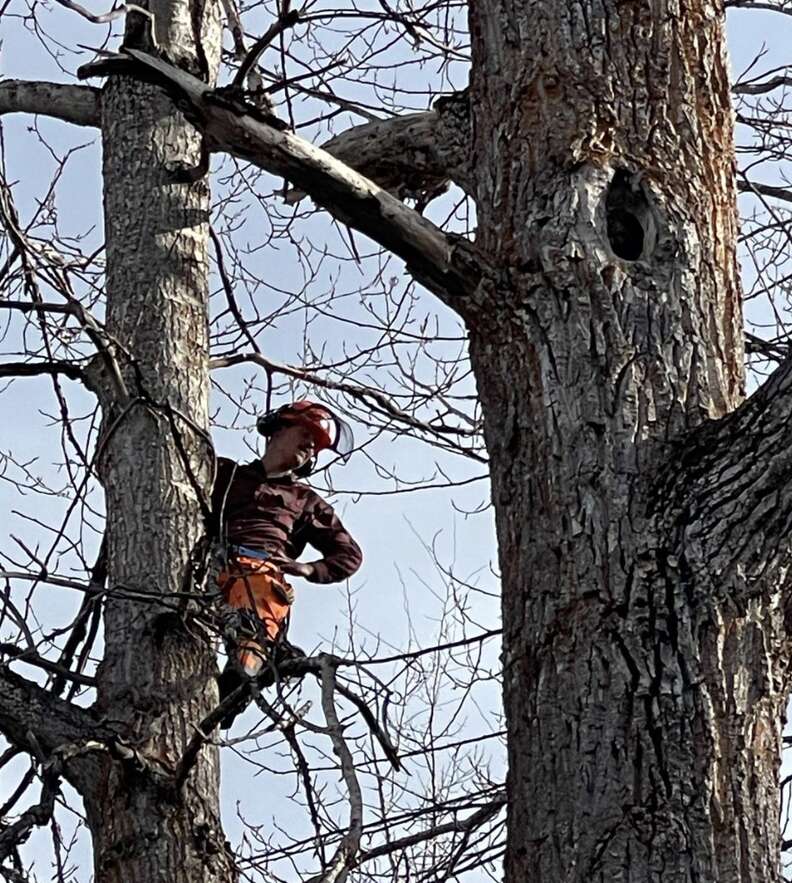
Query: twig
[(451, 645), (106, 17), (305, 775), (367, 395), (286, 21), (348, 848), (464, 826), (118, 590), (368, 716), (235, 26), (17, 654), (90, 610), (229, 291)]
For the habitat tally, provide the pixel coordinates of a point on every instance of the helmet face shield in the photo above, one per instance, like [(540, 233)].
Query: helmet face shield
[(344, 442)]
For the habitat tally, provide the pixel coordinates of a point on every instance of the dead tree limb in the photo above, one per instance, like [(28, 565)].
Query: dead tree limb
[(411, 156), (449, 266)]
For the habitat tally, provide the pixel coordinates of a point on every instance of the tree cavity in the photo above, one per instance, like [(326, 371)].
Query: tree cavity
[(629, 217)]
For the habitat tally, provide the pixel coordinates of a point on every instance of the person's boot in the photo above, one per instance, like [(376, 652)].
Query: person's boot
[(228, 681)]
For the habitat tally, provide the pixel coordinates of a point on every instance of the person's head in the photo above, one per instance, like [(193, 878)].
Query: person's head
[(296, 433)]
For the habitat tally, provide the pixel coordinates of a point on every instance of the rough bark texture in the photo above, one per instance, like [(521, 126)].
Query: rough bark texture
[(644, 646), (156, 678), (413, 156), (642, 507)]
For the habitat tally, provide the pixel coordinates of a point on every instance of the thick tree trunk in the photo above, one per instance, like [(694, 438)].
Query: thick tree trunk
[(644, 661), (156, 678)]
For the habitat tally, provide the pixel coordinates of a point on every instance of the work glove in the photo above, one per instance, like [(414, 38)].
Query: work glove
[(293, 568), (284, 591)]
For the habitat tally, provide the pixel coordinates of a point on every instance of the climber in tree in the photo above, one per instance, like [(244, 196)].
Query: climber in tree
[(264, 517)]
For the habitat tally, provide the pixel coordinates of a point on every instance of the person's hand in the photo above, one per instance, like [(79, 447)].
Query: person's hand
[(284, 591), (293, 568)]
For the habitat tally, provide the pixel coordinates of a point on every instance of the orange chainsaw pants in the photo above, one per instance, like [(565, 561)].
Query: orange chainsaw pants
[(251, 584)]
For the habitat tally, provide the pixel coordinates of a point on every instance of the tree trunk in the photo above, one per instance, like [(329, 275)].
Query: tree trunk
[(644, 648), (156, 679)]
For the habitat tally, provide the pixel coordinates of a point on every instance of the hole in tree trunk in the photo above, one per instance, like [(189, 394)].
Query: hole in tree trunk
[(628, 217)]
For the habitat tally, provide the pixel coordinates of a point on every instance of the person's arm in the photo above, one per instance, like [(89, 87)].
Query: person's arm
[(322, 529)]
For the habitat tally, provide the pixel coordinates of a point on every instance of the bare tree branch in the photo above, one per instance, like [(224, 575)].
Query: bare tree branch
[(373, 724), (449, 266), (203, 732), (35, 369), (10, 220), (80, 105), (32, 658), (105, 17), (761, 88), (348, 848), (16, 834), (474, 820), (372, 398), (234, 23), (777, 350), (36, 721), (783, 193), (288, 19), (726, 496), (757, 4)]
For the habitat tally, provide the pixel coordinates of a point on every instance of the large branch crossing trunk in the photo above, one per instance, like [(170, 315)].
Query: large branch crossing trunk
[(156, 679), (645, 653)]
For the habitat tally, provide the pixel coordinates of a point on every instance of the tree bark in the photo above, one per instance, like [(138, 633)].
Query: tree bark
[(641, 504), (156, 678), (644, 664), (413, 156), (73, 104)]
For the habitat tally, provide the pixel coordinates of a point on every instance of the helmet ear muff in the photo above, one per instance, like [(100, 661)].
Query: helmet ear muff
[(268, 423)]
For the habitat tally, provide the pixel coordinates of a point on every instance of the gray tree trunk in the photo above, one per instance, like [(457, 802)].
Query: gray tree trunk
[(156, 679), (645, 654)]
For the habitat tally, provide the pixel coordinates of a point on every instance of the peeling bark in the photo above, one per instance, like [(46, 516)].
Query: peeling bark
[(645, 651)]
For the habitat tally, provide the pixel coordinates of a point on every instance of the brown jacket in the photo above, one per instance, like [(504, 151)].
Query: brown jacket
[(281, 516)]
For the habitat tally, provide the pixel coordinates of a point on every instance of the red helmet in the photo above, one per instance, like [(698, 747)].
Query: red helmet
[(329, 431)]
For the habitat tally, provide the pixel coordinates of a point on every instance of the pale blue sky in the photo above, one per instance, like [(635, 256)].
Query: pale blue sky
[(398, 574)]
